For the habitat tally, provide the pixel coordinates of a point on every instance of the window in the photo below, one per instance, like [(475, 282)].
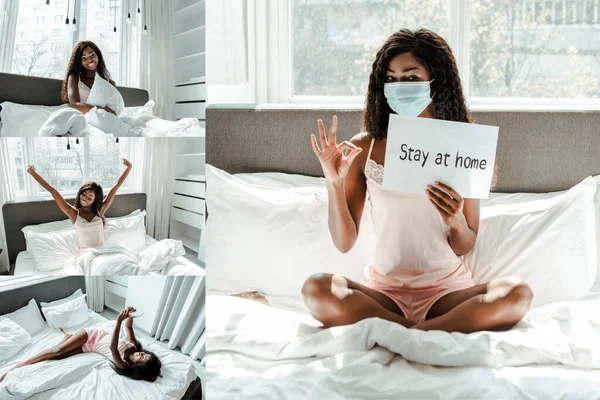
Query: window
[(334, 41), (104, 37), (96, 158), (34, 56), (508, 52), (534, 57)]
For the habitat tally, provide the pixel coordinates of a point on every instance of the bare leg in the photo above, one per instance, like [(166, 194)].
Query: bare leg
[(334, 300), (61, 350), (499, 305), (66, 336), (66, 348)]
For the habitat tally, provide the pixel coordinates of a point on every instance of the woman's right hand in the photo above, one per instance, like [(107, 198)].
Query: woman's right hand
[(335, 165), (126, 314)]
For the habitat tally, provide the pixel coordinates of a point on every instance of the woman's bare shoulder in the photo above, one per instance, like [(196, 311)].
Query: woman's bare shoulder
[(362, 140)]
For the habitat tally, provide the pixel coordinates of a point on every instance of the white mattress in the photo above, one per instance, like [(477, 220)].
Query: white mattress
[(25, 265), (256, 351), (90, 376)]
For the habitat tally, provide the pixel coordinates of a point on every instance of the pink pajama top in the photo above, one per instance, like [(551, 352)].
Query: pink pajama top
[(413, 262)]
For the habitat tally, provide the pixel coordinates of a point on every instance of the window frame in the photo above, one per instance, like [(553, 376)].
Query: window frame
[(31, 189), (271, 76), (9, 10)]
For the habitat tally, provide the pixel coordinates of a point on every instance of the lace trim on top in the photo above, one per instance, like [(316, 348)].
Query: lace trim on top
[(374, 171)]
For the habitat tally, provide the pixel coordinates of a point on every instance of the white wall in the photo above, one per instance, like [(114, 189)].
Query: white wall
[(144, 293)]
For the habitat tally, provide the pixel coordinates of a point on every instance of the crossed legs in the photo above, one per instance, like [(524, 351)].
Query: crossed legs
[(499, 305)]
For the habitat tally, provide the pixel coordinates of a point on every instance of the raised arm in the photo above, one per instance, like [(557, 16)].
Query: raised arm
[(114, 343), (111, 195), (68, 209), (73, 93), (131, 333), (346, 184)]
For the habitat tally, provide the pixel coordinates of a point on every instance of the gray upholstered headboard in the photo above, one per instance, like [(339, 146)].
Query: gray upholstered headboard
[(12, 300), (33, 90), (18, 214), (537, 151)]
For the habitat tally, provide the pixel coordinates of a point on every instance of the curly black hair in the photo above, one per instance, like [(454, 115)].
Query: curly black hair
[(431, 51), (98, 200), (76, 68), (149, 371)]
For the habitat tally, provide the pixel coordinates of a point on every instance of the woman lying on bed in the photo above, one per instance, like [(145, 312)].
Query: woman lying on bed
[(85, 61), (127, 356), (417, 278), (87, 215)]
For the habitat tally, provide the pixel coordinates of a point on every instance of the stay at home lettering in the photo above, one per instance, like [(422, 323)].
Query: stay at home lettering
[(421, 156)]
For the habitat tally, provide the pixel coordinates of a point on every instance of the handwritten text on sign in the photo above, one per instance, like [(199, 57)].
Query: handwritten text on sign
[(420, 151)]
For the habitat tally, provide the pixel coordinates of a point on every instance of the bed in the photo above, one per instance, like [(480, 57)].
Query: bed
[(43, 96), (19, 214), (85, 375), (272, 349)]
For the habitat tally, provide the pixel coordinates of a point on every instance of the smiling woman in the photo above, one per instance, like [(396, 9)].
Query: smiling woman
[(85, 64)]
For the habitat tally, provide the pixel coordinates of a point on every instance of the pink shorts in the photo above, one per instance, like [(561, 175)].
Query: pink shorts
[(415, 302), (95, 337)]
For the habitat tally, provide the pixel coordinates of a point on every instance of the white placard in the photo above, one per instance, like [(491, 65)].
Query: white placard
[(420, 151)]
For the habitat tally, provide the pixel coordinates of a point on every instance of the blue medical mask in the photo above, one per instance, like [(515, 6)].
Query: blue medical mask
[(407, 98)]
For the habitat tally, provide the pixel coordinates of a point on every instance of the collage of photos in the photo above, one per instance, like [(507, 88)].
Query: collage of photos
[(102, 199), (299, 199)]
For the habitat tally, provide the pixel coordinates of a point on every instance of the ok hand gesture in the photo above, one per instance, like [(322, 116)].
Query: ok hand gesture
[(335, 165)]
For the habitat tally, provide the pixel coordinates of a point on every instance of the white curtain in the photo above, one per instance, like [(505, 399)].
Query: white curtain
[(94, 287), (158, 182), (9, 10), (180, 319), (227, 41), (156, 57), (6, 194)]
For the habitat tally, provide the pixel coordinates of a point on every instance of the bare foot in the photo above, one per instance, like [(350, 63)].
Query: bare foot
[(66, 334)]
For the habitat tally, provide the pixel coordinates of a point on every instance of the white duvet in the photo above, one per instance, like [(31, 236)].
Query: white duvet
[(100, 122), (90, 376), (115, 259), (157, 260), (256, 351)]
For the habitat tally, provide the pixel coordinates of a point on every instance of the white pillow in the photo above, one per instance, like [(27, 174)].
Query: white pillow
[(28, 317), (78, 293), (597, 204), (66, 315), (47, 227), (52, 250), (63, 224), (549, 240), (24, 120), (266, 237), (104, 94), (132, 112), (13, 337), (129, 231)]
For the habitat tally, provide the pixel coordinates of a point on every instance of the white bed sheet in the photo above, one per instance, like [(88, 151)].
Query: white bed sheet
[(246, 362), (96, 378), (25, 265)]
